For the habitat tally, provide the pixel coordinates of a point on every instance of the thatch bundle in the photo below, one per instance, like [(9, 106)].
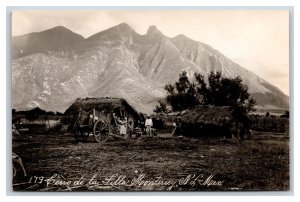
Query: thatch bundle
[(206, 114), (103, 107), (205, 120)]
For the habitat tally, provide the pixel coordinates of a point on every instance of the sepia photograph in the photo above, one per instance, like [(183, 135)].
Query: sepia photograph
[(150, 100)]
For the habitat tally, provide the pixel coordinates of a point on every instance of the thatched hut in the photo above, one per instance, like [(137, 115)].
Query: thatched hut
[(208, 121), (103, 107)]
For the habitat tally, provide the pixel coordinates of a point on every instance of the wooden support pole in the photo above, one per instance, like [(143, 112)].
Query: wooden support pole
[(94, 113)]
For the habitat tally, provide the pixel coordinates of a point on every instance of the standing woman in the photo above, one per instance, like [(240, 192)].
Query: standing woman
[(123, 127)]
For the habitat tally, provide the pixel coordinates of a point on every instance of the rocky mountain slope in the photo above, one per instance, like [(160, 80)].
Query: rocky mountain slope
[(50, 69)]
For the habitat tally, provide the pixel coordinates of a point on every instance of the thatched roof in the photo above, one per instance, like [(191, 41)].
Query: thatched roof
[(105, 104), (208, 115)]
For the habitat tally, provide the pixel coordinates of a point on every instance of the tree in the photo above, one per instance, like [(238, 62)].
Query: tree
[(181, 95), (219, 91), (161, 108), (224, 91), (201, 89), (34, 113)]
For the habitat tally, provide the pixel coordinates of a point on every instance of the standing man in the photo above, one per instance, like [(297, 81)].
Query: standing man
[(148, 124)]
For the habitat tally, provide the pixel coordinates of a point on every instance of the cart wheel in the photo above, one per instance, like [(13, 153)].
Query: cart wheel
[(81, 136), (101, 131)]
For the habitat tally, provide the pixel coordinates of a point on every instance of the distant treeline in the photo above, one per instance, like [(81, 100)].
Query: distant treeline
[(269, 123), (36, 119), (36, 114)]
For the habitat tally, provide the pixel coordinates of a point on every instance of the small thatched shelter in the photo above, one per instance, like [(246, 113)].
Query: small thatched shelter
[(103, 107), (206, 120)]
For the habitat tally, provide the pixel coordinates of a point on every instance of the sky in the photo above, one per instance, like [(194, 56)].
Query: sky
[(258, 40)]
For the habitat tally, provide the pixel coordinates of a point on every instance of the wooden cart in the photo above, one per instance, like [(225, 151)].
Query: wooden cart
[(102, 127)]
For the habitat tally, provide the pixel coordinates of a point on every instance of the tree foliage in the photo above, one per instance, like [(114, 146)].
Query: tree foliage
[(218, 91), (182, 94), (161, 108)]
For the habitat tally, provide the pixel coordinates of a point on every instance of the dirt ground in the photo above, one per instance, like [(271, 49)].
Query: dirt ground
[(56, 162)]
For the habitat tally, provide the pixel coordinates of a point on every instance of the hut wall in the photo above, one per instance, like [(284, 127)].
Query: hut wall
[(204, 130), (208, 121)]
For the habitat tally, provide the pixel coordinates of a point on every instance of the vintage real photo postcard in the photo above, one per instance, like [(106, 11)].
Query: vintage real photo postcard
[(150, 100)]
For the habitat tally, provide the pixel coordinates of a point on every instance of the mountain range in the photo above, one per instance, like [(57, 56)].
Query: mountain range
[(50, 69)]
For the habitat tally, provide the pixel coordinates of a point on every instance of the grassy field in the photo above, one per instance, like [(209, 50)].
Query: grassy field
[(55, 162)]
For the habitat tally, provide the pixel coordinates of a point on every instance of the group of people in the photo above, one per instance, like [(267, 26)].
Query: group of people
[(122, 122)]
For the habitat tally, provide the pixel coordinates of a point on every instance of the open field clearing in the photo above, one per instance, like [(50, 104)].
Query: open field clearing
[(56, 162)]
